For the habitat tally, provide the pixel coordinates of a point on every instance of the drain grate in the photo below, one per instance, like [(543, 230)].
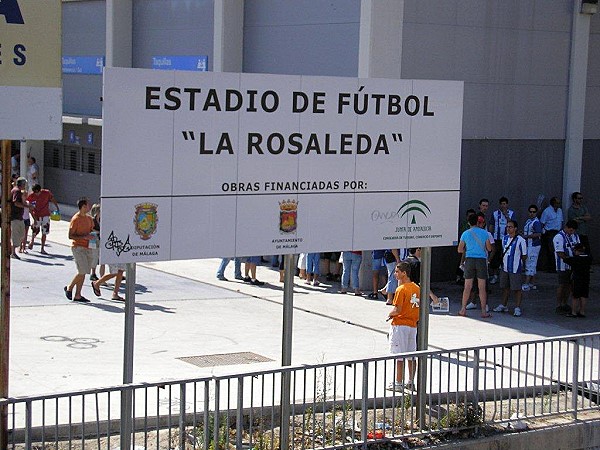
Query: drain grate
[(225, 359)]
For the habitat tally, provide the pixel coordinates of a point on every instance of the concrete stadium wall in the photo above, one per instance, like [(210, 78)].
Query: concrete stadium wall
[(303, 37), (84, 34)]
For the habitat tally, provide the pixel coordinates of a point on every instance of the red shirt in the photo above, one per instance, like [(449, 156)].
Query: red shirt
[(42, 201)]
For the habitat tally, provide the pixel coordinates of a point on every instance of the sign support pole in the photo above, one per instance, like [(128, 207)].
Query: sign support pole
[(6, 251), (127, 394), (286, 347), (423, 334)]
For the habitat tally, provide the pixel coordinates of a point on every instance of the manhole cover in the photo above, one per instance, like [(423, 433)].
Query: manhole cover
[(225, 359)]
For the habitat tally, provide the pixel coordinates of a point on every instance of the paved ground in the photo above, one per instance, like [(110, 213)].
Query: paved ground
[(183, 310)]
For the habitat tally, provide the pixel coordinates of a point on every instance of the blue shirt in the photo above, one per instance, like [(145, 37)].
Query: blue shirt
[(513, 250), (474, 239), (552, 220)]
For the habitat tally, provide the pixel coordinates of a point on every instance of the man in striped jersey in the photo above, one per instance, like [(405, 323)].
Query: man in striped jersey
[(564, 241), (500, 218), (514, 254)]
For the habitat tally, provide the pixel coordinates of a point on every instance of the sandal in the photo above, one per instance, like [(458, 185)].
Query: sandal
[(96, 289), (486, 316), (118, 297), (372, 296), (463, 314)]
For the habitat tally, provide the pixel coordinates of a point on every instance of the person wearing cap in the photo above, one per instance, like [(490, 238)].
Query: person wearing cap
[(40, 200), (18, 205)]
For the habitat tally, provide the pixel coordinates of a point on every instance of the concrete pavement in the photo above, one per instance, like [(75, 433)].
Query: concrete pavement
[(182, 310)]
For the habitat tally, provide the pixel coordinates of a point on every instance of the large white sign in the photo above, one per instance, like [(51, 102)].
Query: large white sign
[(199, 165), (30, 69)]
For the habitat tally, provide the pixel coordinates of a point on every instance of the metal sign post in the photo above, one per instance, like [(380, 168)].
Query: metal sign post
[(127, 394), (286, 347), (5, 292), (423, 333)]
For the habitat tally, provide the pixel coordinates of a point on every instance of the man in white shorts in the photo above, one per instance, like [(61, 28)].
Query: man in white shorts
[(403, 332), (40, 200)]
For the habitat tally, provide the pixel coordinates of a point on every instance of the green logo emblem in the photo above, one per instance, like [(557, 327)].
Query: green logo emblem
[(413, 206)]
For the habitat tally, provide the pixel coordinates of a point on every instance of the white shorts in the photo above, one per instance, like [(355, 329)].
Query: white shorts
[(531, 261), (114, 268), (302, 261), (402, 339)]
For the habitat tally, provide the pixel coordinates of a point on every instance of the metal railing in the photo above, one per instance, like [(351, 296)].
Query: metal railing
[(334, 405)]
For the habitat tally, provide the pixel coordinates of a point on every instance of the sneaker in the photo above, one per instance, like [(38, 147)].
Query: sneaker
[(396, 386), (410, 386), (221, 278), (517, 312), (255, 282), (493, 279), (525, 287), (500, 308), (93, 277), (471, 305), (247, 279), (316, 283), (239, 277), (533, 287)]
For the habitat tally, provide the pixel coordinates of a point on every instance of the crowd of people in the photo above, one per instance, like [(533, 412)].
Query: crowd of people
[(493, 249)]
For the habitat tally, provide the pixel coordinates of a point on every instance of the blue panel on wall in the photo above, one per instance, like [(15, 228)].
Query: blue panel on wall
[(84, 65), (197, 63)]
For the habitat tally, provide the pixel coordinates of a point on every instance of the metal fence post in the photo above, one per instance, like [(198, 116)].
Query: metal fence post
[(206, 414), (127, 393), (239, 418), (182, 433), (364, 405), (423, 335), (575, 383), (476, 360), (216, 415), (28, 411), (286, 348)]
